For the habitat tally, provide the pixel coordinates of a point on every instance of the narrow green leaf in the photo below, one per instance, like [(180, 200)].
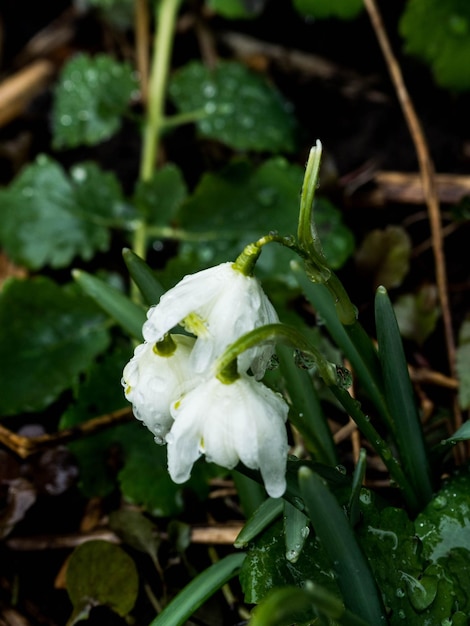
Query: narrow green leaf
[(296, 531), (282, 607), (266, 513), (143, 276), (401, 399), (356, 488), (306, 412), (250, 493), (462, 434), (129, 315), (352, 340), (199, 590), (354, 578)]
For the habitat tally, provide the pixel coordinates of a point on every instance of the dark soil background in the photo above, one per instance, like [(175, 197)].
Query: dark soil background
[(356, 115)]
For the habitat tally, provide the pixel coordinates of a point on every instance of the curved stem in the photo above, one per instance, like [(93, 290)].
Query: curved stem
[(282, 333)]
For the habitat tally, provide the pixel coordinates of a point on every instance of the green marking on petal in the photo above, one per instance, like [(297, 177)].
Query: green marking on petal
[(166, 347), (195, 325)]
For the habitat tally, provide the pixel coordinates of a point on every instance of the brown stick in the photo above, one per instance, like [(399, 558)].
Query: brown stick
[(17, 91), (407, 188), (26, 446), (426, 167), (221, 534), (142, 45)]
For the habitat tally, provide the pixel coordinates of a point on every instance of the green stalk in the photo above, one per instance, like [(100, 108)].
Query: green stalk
[(354, 342), (316, 264), (165, 18), (288, 335), (380, 446), (355, 580)]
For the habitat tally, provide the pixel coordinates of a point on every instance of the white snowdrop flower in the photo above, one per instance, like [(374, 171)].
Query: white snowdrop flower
[(152, 380), (242, 421), (218, 305)]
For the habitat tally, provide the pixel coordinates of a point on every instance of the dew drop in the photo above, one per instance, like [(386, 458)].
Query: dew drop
[(83, 115), (65, 120), (79, 174), (439, 502)]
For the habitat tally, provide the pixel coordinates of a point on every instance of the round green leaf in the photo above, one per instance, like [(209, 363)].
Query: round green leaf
[(235, 106), (91, 95), (444, 43), (48, 336), (49, 219), (101, 573)]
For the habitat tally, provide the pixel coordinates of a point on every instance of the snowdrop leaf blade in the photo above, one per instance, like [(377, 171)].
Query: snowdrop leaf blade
[(129, 315), (401, 399), (200, 589), (355, 580), (266, 513), (143, 276)]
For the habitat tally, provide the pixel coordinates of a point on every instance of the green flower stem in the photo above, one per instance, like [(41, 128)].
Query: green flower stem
[(316, 265), (278, 333), (380, 446), (165, 17), (288, 335), (353, 341), (306, 231), (246, 260)]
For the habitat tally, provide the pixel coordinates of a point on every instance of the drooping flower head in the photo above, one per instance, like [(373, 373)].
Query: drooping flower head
[(242, 421), (153, 378), (218, 305)]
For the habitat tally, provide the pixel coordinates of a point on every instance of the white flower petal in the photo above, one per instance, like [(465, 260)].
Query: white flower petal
[(218, 305), (243, 421), (152, 382)]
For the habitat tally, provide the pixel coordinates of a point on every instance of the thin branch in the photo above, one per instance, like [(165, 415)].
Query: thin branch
[(426, 167), (27, 446)]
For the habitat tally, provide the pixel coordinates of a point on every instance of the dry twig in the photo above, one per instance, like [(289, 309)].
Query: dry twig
[(428, 179), (27, 446)]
